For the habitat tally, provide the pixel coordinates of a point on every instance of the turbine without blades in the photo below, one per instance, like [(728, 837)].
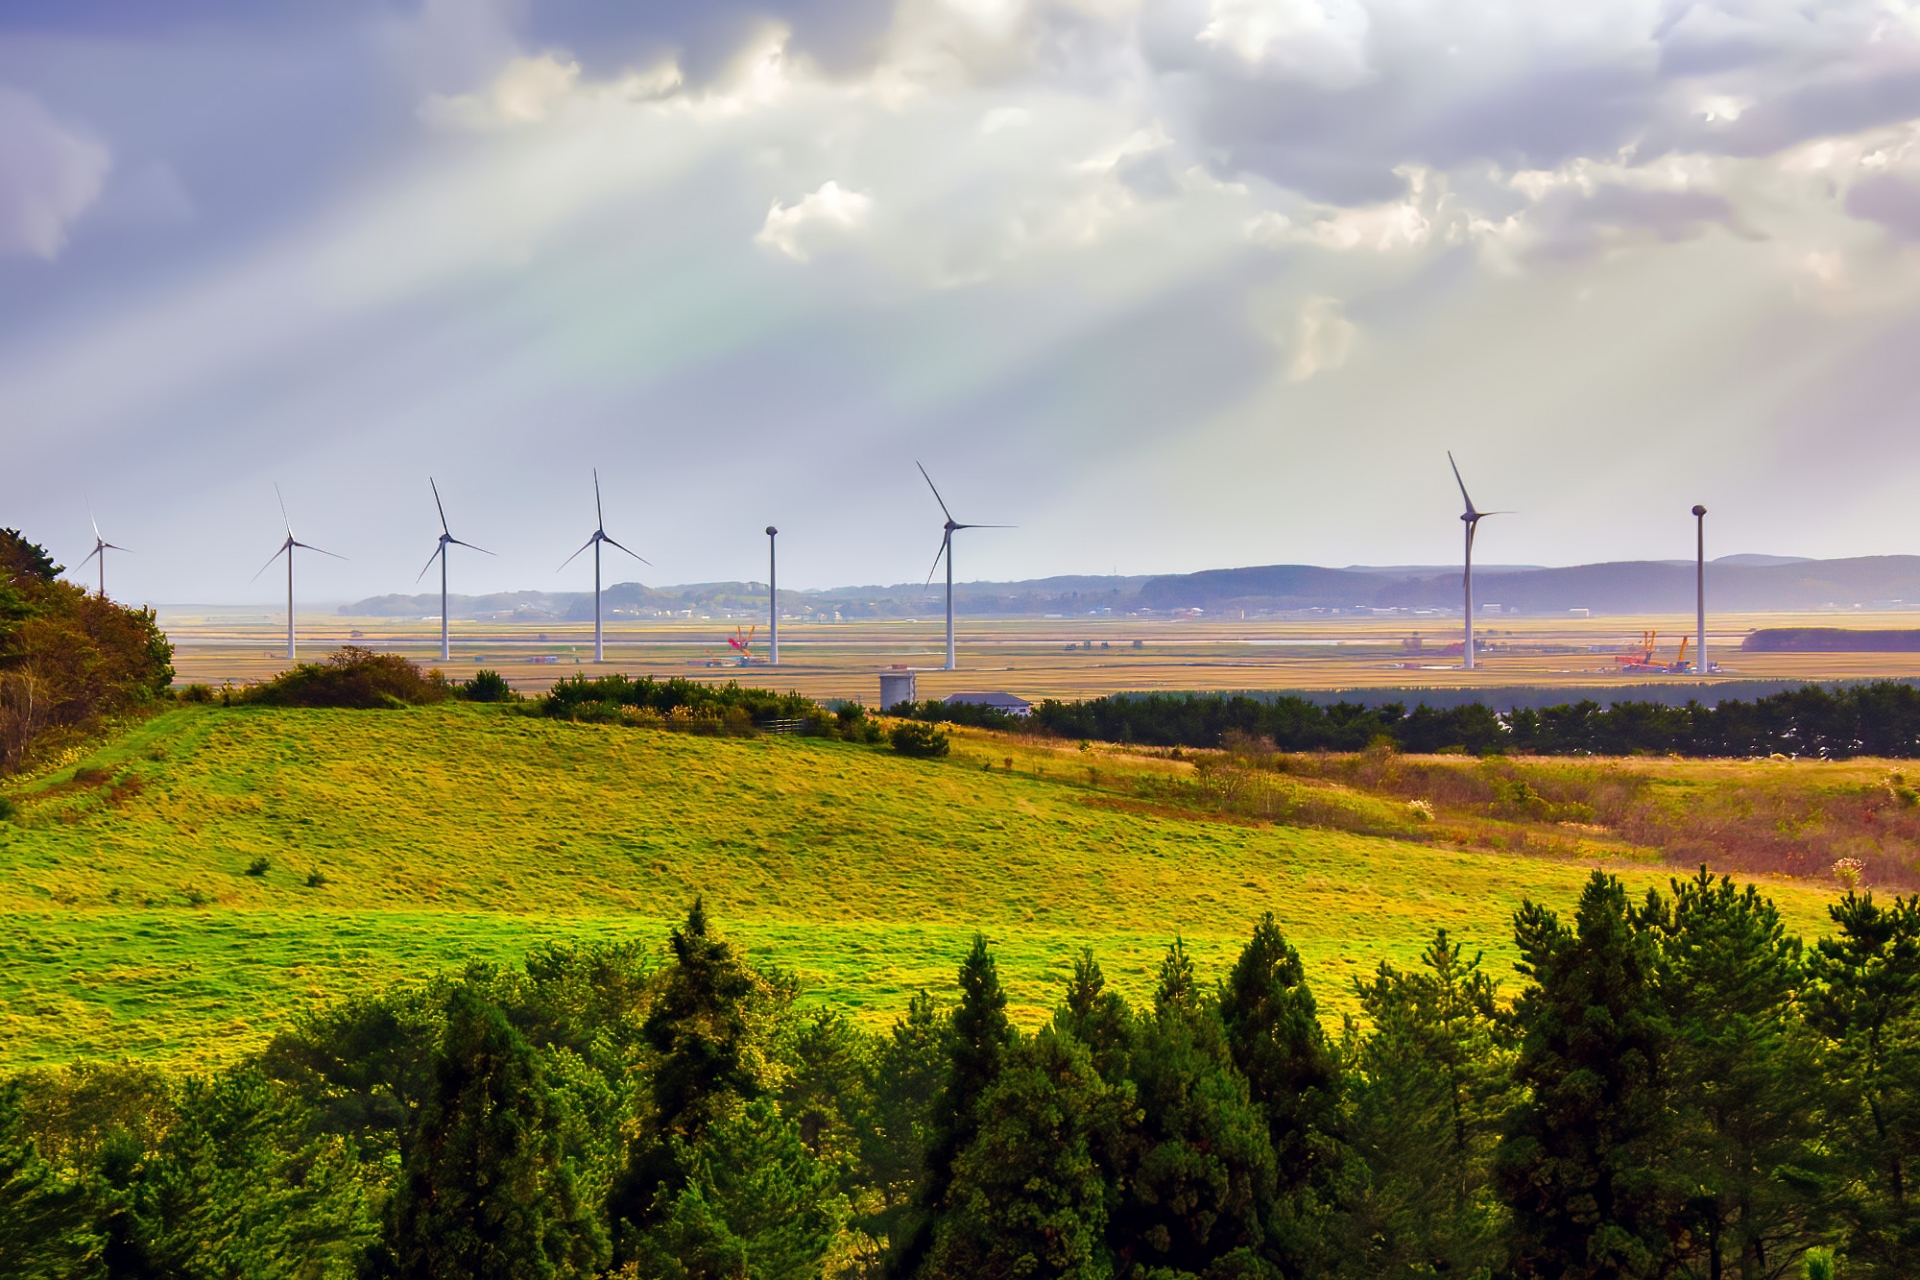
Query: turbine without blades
[(287, 549), (1472, 516), (100, 548), (946, 551), (599, 536), (440, 553)]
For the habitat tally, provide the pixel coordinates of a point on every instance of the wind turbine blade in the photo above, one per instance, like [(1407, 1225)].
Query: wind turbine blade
[(308, 546), (442, 510), (986, 526), (482, 550), (936, 493), (96, 551), (114, 546), (946, 544), (283, 508), (270, 559), (437, 553), (599, 513), (95, 523), (576, 555), (636, 555), (1462, 483)]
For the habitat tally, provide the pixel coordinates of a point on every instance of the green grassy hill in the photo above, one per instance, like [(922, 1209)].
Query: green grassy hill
[(434, 836)]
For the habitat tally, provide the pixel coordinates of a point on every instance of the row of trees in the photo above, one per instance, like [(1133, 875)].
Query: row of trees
[(1678, 1090), (1881, 718), (67, 658)]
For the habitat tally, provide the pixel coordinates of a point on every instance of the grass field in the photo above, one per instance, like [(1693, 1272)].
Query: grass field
[(399, 843)]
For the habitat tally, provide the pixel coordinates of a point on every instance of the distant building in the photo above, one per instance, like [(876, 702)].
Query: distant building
[(897, 687), (998, 701)]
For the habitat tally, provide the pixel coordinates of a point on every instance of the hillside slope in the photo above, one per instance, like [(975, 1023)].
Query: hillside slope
[(399, 843)]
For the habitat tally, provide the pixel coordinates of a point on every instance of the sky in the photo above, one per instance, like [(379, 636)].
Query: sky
[(1165, 284)]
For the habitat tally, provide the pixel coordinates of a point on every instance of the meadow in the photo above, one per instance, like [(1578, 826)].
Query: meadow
[(180, 892)]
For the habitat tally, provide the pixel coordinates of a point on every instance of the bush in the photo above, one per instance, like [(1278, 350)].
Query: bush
[(258, 867), (353, 678), (7, 809), (702, 707), (194, 693), (67, 658), (915, 738), (488, 686)]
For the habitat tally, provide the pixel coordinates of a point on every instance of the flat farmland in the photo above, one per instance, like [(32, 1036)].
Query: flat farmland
[(1042, 658)]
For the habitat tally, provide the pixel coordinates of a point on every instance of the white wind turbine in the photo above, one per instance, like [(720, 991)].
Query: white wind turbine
[(599, 536), (1472, 517), (100, 548), (440, 553), (287, 549), (946, 550)]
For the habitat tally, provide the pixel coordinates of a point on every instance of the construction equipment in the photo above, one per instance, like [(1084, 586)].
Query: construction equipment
[(1643, 659)]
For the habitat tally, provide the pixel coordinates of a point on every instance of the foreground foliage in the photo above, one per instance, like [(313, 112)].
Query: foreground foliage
[(1678, 1090)]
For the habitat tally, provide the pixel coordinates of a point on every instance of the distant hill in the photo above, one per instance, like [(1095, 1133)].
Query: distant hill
[(1743, 583)]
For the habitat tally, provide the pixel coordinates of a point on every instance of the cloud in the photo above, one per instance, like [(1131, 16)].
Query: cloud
[(1321, 42), (1890, 199), (49, 175), (828, 213)]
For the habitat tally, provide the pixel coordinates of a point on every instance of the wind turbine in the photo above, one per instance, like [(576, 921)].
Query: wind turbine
[(100, 548), (1472, 518), (773, 601), (440, 553), (599, 536), (286, 549), (946, 550)]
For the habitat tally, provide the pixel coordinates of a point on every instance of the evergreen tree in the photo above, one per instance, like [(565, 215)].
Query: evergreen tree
[(756, 1203), (1197, 1175), (488, 1193), (1865, 1005), (707, 1032), (978, 1039), (1275, 1040), (1429, 1086), (1581, 1160), (1026, 1196), (1096, 1017), (44, 1233), (1742, 1074), (908, 1069)]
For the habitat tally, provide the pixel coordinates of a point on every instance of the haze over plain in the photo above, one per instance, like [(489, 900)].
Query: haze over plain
[(1172, 286)]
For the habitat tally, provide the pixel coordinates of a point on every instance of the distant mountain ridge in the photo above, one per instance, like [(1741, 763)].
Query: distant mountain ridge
[(1741, 583)]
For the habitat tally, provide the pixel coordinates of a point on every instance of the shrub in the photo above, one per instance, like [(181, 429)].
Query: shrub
[(194, 693), (353, 678), (258, 867), (316, 879), (602, 699), (488, 686), (917, 738), (7, 809)]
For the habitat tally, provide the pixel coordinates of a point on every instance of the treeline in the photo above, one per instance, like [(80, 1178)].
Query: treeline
[(677, 702), (1881, 718), (67, 658), (1678, 1090)]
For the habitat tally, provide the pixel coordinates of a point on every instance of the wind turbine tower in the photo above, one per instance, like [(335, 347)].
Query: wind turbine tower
[(1472, 518), (1700, 587), (287, 549), (599, 536), (946, 551), (440, 553), (100, 548), (773, 602)]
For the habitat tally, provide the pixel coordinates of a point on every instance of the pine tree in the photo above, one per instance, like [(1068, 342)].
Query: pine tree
[(978, 1039), (1275, 1040), (1742, 1074), (44, 1233), (1865, 1005), (1096, 1017), (487, 1193), (1429, 1085), (1026, 1196), (1580, 1162), (1197, 1174)]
